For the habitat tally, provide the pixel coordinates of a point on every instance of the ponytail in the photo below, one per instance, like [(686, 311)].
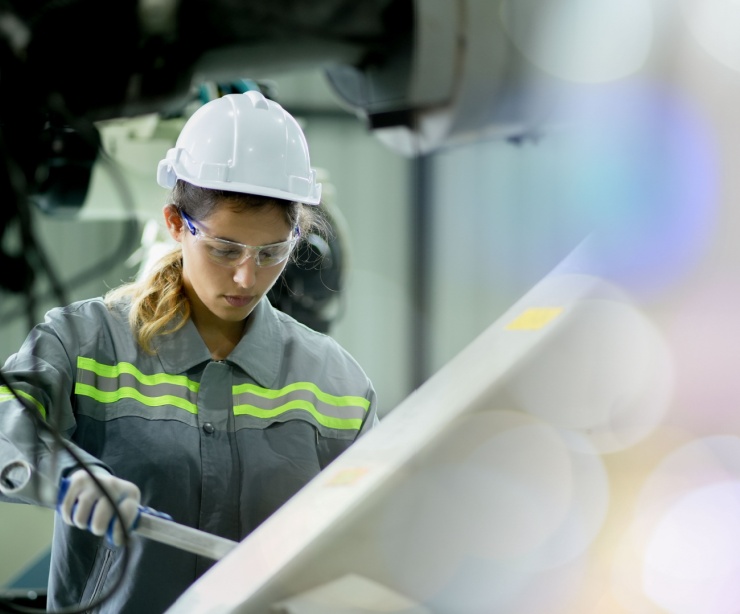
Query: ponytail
[(158, 303)]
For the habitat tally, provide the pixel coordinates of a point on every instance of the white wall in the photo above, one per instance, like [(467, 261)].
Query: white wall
[(371, 187)]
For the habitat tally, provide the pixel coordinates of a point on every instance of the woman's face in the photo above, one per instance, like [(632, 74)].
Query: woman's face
[(225, 295)]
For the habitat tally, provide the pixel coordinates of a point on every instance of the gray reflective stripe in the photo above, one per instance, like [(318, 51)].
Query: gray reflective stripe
[(336, 412), (127, 380), (111, 383)]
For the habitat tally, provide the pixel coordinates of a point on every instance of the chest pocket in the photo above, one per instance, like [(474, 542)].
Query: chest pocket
[(336, 417)]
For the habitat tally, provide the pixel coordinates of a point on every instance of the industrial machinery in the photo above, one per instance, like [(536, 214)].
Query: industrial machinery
[(420, 74)]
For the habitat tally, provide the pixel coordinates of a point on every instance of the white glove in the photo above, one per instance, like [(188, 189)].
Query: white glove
[(86, 507)]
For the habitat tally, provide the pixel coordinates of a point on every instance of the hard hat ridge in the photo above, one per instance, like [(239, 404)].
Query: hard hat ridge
[(243, 143)]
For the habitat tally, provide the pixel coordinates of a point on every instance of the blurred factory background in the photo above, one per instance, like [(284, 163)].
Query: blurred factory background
[(469, 149)]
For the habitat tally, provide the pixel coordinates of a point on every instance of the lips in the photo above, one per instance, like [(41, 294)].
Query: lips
[(238, 300)]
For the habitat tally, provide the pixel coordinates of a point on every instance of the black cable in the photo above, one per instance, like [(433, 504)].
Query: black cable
[(36, 259), (16, 183), (130, 238), (127, 244), (32, 249), (62, 442), (41, 257)]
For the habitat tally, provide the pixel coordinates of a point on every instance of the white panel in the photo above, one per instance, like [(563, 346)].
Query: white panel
[(365, 514)]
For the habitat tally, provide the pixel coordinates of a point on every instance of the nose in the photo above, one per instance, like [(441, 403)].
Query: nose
[(245, 275)]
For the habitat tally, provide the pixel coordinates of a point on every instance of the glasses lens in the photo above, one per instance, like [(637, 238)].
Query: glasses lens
[(223, 253), (228, 254), (270, 255)]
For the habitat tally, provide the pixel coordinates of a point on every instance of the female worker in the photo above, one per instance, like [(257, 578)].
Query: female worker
[(186, 391)]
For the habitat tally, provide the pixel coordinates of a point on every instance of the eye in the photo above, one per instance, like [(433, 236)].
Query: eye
[(272, 254), (223, 252), (269, 252)]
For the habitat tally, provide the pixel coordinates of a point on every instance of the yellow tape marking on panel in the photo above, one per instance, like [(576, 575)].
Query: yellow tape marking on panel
[(534, 318), (347, 477)]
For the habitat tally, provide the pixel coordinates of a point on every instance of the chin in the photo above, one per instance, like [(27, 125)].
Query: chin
[(235, 314)]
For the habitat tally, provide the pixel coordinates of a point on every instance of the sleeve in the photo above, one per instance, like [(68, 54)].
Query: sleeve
[(371, 417), (13, 467), (36, 402)]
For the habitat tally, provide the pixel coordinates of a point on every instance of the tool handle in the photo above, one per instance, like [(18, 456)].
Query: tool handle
[(160, 527)]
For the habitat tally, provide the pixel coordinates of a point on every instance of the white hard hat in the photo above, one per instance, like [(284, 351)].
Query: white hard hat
[(243, 143)]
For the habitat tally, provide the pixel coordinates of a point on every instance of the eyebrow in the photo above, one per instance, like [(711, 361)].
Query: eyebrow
[(248, 244), (200, 226)]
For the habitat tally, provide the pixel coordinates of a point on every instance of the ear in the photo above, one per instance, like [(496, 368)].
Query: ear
[(173, 221)]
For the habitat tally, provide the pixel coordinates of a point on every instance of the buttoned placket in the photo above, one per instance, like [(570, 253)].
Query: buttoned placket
[(219, 506)]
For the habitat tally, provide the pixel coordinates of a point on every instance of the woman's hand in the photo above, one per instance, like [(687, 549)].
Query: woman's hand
[(83, 505)]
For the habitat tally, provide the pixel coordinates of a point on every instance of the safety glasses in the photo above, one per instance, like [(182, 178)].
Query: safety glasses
[(232, 254)]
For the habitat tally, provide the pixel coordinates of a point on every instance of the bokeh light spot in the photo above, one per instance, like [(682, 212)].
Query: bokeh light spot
[(714, 24), (691, 562), (606, 373)]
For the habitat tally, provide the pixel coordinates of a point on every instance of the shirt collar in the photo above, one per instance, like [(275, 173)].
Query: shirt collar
[(182, 350), (260, 350), (258, 353)]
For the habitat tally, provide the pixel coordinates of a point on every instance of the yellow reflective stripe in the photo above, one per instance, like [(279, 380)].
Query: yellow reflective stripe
[(126, 367), (109, 388), (132, 393), (329, 399), (328, 421), (6, 394)]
